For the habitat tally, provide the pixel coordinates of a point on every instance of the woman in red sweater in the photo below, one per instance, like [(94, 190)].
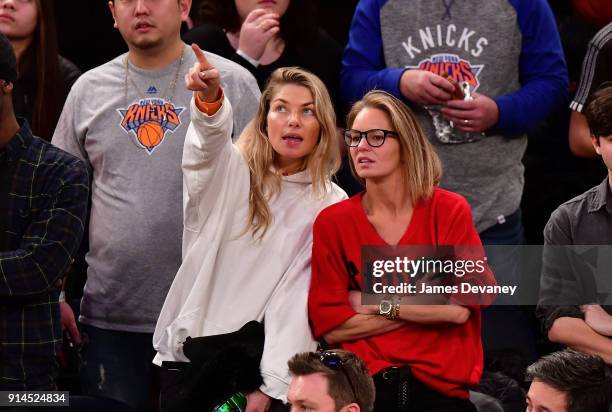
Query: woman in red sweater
[(422, 357)]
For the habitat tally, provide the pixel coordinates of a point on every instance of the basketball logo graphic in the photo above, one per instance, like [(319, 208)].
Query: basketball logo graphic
[(461, 71), (458, 69), (149, 120), (150, 134)]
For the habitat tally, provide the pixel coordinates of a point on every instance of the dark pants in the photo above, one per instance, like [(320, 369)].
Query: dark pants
[(506, 327), (397, 390), (118, 365), (174, 377)]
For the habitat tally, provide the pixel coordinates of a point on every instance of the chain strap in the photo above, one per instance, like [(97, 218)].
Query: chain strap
[(170, 86)]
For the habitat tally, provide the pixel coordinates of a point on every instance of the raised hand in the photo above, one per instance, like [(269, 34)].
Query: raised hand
[(258, 28), (423, 87), (203, 78)]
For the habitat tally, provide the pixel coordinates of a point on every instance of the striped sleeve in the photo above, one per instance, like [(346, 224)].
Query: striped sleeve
[(596, 67)]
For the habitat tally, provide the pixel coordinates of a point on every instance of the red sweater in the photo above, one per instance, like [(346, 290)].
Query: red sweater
[(447, 357)]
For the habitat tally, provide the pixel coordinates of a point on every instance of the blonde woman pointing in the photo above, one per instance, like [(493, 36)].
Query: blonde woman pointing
[(249, 209)]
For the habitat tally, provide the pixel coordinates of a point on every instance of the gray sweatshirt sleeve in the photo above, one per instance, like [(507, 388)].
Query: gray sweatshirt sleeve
[(69, 135)]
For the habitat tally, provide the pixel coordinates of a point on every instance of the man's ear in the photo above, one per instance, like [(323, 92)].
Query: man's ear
[(111, 6), (351, 407), (185, 6), (595, 143)]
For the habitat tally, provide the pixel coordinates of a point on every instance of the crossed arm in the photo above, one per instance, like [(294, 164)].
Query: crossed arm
[(578, 334), (367, 322)]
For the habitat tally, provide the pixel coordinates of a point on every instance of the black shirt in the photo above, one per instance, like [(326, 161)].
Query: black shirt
[(7, 171)]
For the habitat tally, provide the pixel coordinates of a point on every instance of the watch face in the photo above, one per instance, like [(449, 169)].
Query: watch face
[(385, 306)]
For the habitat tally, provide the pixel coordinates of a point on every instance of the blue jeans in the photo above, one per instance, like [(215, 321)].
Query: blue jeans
[(506, 327), (117, 365)]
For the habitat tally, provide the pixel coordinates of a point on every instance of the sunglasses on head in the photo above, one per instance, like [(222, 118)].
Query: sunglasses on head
[(333, 361)]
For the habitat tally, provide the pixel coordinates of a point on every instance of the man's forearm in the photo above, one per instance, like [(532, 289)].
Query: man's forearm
[(576, 334), (23, 275), (50, 240)]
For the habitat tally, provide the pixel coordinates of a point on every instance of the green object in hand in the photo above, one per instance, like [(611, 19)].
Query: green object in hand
[(235, 403)]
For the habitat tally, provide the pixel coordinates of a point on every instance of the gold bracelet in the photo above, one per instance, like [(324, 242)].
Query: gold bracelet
[(396, 310)]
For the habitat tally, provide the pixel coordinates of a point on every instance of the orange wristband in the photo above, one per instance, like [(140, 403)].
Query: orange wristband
[(209, 108)]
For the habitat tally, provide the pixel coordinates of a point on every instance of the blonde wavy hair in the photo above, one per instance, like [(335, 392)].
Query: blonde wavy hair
[(422, 169), (254, 145)]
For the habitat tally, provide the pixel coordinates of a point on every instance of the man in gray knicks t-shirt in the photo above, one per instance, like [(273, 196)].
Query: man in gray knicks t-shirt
[(127, 119)]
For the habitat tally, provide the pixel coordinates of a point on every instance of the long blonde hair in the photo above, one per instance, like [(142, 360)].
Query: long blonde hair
[(322, 162), (422, 169)]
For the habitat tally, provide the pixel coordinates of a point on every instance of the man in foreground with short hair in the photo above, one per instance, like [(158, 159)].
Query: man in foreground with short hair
[(330, 381), (569, 381), (43, 205), (569, 316)]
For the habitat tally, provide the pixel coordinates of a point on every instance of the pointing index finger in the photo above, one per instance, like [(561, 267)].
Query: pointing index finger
[(204, 64)]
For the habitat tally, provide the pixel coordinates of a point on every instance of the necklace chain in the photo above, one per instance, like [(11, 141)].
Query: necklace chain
[(170, 87)]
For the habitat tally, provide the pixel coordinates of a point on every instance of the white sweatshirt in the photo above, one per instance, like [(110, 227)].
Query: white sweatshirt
[(227, 278)]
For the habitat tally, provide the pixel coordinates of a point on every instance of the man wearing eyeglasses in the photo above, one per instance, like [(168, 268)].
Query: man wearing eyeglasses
[(330, 381)]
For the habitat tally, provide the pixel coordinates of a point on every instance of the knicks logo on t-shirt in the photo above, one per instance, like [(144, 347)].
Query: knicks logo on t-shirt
[(459, 69), (149, 120)]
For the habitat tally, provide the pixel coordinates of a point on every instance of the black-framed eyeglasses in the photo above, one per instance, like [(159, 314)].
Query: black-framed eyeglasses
[(333, 361), (374, 137)]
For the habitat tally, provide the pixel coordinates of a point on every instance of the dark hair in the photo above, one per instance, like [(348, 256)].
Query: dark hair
[(297, 25), (8, 61), (339, 389), (585, 379), (598, 111), (40, 62)]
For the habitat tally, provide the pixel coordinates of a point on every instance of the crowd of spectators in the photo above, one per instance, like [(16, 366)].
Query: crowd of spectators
[(198, 193)]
